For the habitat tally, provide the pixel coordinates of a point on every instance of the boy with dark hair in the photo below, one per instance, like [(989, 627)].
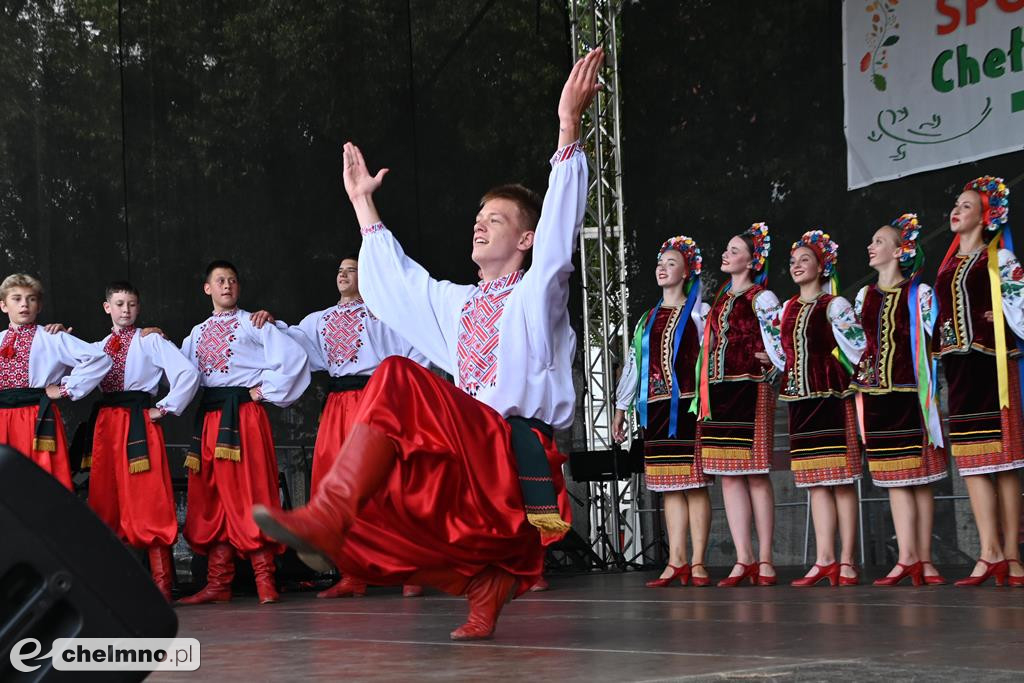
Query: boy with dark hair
[(36, 370), (460, 487), (348, 342), (232, 461), (130, 485)]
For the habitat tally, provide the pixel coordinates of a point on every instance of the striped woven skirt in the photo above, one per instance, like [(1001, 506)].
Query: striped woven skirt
[(672, 464), (896, 444), (982, 438), (823, 445), (738, 439)]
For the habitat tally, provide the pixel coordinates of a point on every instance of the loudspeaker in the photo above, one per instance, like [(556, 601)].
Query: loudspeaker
[(63, 574), (607, 465)]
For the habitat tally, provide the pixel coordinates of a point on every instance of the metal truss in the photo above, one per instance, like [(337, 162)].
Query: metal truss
[(602, 254)]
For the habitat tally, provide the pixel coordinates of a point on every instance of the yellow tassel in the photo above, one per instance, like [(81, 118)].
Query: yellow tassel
[(192, 463), (86, 462), (666, 470), (44, 444), (548, 523), (137, 466), (817, 463), (894, 464), (984, 448), (710, 453), (228, 453)]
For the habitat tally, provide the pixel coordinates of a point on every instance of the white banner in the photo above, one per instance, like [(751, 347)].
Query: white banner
[(930, 83)]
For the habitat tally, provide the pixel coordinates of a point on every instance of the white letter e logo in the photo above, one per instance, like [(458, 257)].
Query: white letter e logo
[(18, 657)]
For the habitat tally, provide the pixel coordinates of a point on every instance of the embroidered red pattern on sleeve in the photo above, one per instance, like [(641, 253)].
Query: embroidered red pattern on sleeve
[(479, 335)]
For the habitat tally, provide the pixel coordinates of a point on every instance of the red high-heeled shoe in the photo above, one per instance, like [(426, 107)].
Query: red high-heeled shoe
[(681, 573), (827, 571), (847, 581), (699, 581), (998, 569), (935, 579), (749, 572), (763, 580), (1011, 580), (913, 571)]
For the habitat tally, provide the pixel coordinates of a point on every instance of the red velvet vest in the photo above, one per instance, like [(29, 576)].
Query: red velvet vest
[(887, 364), (963, 294), (735, 338), (663, 332), (811, 369)]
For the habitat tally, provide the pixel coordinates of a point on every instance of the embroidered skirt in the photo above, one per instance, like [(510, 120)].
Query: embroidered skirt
[(672, 464), (982, 438), (738, 439), (896, 444), (823, 443)]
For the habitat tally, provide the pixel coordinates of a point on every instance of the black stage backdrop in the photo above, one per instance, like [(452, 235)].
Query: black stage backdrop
[(140, 140)]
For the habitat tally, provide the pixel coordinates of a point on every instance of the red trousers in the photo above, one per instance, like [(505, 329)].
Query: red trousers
[(453, 500), (138, 507), (18, 429), (222, 493), (335, 422)]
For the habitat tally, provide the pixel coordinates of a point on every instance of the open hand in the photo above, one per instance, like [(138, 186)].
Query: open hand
[(155, 414), (763, 357), (54, 328), (146, 331), (53, 392), (577, 94), (989, 317), (358, 181)]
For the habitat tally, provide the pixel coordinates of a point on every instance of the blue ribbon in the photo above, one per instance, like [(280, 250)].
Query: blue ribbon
[(691, 300), (645, 365)]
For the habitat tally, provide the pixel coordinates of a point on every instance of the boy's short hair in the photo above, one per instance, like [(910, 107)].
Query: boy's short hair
[(220, 263), (527, 200), (118, 286), (354, 256), (20, 280)]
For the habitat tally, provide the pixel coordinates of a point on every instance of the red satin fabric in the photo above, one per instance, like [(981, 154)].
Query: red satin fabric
[(221, 495), (138, 507), (335, 423), (18, 429), (452, 505)]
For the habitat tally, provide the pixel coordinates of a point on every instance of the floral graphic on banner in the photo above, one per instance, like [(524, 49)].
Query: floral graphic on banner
[(884, 23)]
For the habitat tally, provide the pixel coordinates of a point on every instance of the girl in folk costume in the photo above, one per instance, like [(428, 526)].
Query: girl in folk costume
[(736, 402), (666, 344), (817, 333), (979, 293), (896, 395), (37, 369)]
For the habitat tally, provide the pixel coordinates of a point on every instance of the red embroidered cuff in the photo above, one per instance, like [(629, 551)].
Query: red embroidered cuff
[(163, 411), (259, 393), (565, 153), (64, 393), (370, 229)]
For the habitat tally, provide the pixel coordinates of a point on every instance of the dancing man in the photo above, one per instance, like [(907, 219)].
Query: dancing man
[(461, 487)]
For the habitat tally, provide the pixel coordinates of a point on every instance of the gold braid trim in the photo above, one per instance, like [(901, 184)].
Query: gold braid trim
[(228, 453), (817, 463), (138, 465), (710, 452), (44, 444), (983, 448), (192, 463), (894, 464)]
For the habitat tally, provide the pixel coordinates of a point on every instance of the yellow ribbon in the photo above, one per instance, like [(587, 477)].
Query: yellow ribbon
[(995, 286)]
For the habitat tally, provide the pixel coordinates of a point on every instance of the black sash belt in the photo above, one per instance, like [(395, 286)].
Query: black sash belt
[(45, 438), (535, 475), (137, 403), (229, 444)]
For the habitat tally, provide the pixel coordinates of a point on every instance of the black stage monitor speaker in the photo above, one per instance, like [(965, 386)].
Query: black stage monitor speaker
[(607, 465), (63, 574)]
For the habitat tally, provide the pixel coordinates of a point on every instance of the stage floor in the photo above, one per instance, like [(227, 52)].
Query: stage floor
[(610, 627)]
